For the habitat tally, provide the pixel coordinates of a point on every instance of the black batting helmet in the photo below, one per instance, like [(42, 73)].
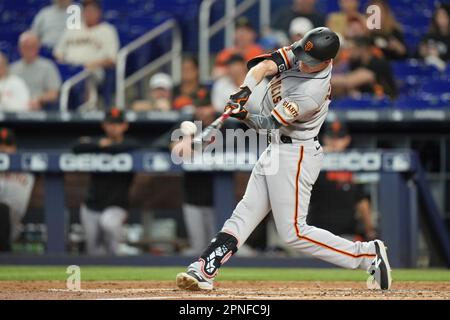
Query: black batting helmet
[(318, 45)]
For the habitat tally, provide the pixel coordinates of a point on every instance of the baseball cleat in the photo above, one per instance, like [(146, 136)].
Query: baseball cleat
[(379, 270), (193, 281)]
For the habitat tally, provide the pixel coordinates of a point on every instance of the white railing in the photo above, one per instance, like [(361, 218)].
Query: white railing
[(68, 85), (226, 22), (173, 57)]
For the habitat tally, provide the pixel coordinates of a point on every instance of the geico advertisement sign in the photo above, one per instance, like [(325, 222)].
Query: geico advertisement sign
[(96, 162), (353, 161)]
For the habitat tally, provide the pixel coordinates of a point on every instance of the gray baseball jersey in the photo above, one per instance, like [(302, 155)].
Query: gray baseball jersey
[(298, 100)]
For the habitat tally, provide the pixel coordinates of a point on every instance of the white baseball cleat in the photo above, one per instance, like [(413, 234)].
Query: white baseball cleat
[(379, 270), (192, 280)]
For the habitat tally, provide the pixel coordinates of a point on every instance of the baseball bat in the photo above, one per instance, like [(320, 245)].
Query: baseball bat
[(208, 135)]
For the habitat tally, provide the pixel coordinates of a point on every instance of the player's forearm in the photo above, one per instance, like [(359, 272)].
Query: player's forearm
[(257, 74), (256, 121)]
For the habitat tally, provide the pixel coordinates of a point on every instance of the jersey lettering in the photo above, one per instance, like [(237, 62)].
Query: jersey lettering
[(275, 89)]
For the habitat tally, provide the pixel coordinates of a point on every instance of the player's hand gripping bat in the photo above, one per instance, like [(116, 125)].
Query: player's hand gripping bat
[(234, 108)]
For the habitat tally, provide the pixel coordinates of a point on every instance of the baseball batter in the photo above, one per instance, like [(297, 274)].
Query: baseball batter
[(293, 109)]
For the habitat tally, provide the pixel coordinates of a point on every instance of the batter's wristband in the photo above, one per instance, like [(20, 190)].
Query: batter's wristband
[(250, 82)]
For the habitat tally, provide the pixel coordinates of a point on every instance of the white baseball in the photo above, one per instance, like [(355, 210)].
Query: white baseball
[(188, 128)]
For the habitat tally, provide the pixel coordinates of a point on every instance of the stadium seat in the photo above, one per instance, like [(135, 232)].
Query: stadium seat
[(445, 98), (68, 71), (411, 75), (365, 102), (381, 103), (436, 87), (412, 38), (446, 73), (408, 102), (403, 69), (6, 49)]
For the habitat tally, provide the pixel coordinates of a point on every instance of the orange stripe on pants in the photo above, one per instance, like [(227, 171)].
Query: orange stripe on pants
[(297, 230)]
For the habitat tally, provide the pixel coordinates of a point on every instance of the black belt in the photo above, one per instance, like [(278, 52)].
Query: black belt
[(287, 139)]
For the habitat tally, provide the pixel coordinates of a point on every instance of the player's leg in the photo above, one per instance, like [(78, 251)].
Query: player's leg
[(111, 222), (90, 222), (300, 169), (250, 211), (290, 217)]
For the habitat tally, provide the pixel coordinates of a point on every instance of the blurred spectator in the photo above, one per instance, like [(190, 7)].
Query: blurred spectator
[(236, 70), (190, 93), (106, 204), (160, 94), (339, 21), (299, 8), (41, 75), (15, 192), (368, 73), (94, 46), (355, 28), (435, 45), (389, 38), (298, 28), (50, 22), (271, 40), (14, 94), (244, 44), (338, 203)]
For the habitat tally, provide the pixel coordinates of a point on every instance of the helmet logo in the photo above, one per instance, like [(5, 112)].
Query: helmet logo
[(308, 46)]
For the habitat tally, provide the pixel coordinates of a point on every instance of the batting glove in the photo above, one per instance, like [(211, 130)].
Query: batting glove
[(237, 111), (237, 103), (241, 97)]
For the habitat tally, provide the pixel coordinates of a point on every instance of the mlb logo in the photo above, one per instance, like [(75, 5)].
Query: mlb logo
[(34, 161), (397, 162), (281, 68), (155, 162)]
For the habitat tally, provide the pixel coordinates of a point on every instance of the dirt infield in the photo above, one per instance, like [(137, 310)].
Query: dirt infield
[(154, 290)]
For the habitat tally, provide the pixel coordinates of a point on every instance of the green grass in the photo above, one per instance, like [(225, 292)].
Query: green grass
[(27, 273)]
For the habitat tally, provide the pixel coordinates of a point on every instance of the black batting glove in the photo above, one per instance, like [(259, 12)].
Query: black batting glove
[(237, 111), (241, 97), (237, 103)]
